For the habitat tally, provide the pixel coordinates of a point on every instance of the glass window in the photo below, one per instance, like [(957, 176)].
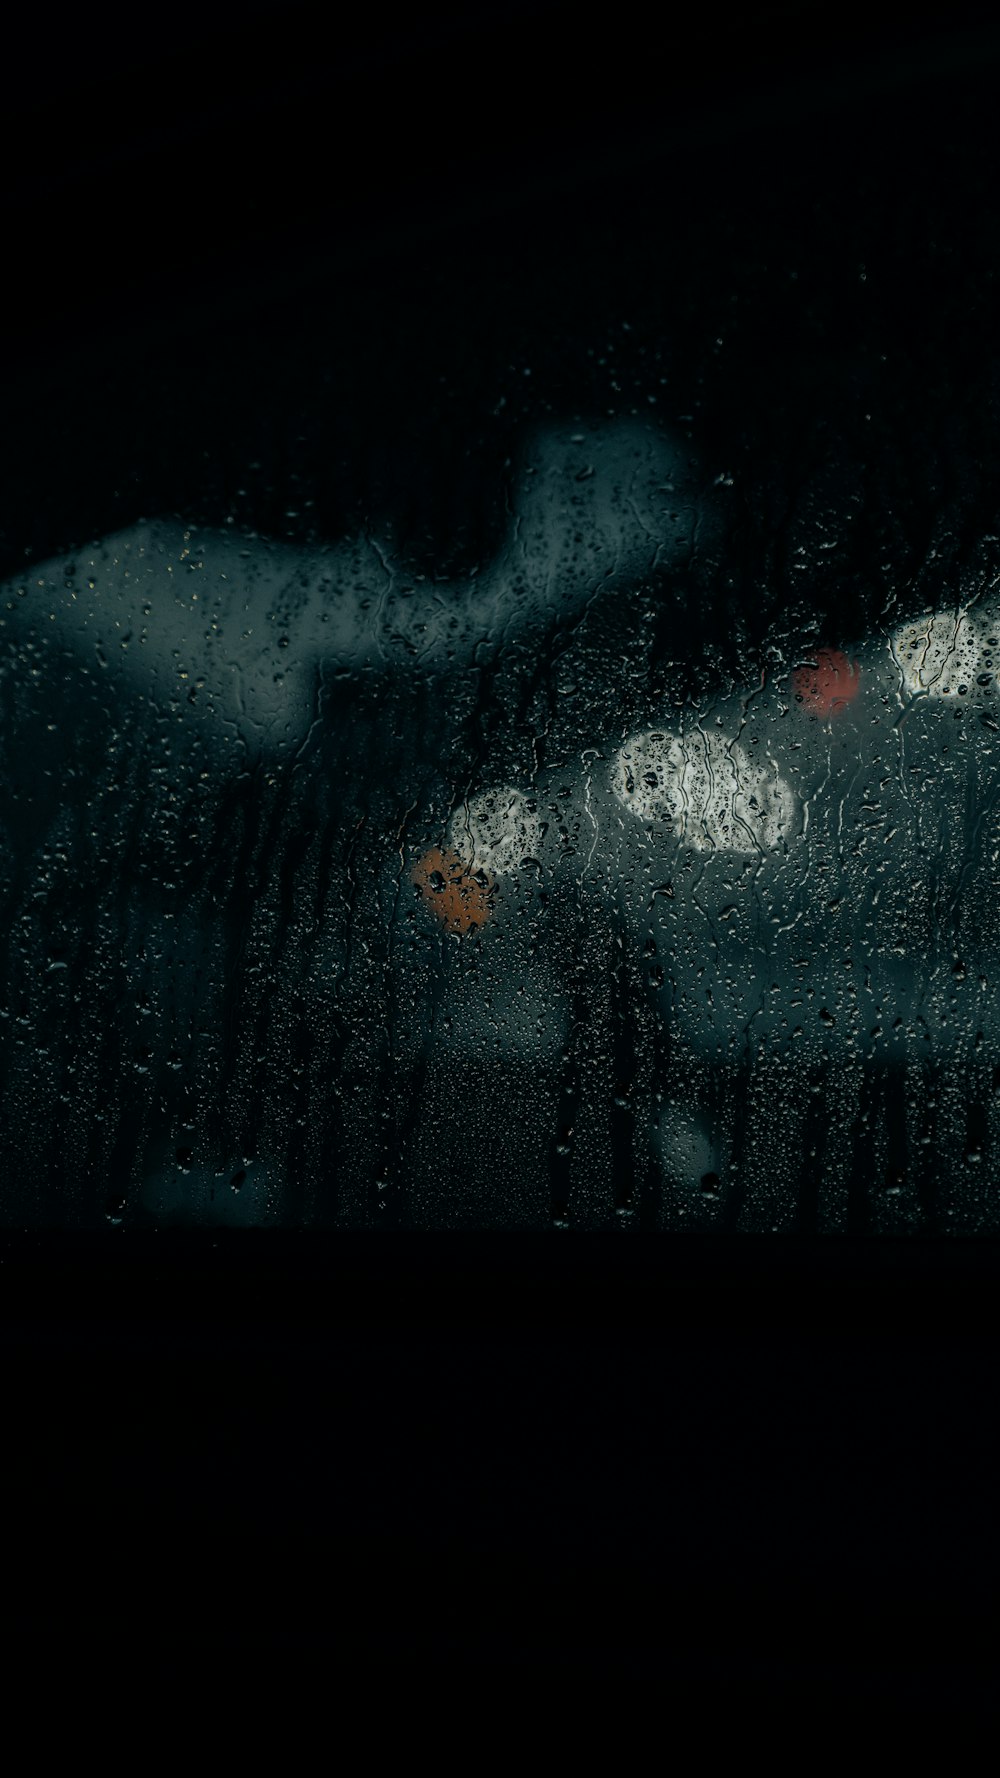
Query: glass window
[(502, 730)]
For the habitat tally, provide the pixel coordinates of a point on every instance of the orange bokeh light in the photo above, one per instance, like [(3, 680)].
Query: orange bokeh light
[(461, 900)]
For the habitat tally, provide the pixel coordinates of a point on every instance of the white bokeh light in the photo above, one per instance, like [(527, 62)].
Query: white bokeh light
[(713, 793), (948, 653), (495, 831)]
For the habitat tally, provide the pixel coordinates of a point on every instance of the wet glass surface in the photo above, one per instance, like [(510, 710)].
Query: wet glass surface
[(501, 729)]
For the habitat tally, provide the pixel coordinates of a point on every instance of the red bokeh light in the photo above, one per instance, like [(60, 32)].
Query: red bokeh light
[(827, 683)]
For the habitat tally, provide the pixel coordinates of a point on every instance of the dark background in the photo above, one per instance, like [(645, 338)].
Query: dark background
[(719, 1471)]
